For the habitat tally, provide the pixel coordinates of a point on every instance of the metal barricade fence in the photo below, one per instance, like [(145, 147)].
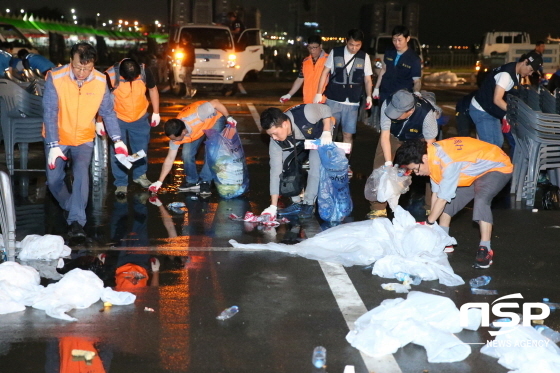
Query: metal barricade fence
[(7, 216)]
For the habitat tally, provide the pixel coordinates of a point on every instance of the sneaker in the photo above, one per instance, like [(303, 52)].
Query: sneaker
[(121, 191), (189, 187), (449, 249), (374, 214), (76, 230), (306, 211), (293, 209), (205, 188), (483, 257), (143, 181)]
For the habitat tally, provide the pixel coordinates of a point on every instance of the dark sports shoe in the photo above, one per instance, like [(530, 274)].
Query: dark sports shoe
[(189, 187), (483, 257), (205, 188), (306, 211), (293, 209), (75, 230)]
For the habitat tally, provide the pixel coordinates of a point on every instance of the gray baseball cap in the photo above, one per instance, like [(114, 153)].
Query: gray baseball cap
[(401, 102)]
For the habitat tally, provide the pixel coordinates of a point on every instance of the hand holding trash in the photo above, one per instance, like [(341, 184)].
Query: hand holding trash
[(154, 262), (120, 148), (369, 102), (100, 128), (318, 98), (506, 127), (270, 211), (386, 184), (155, 120), (375, 93), (155, 186), (285, 98), (326, 138), (54, 153), (232, 122)]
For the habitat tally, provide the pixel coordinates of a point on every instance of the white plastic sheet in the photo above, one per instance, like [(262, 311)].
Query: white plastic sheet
[(524, 350), (424, 319), (400, 246), (47, 247)]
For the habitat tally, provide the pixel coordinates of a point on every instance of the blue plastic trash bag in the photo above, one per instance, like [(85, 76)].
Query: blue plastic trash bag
[(225, 156), (334, 198)]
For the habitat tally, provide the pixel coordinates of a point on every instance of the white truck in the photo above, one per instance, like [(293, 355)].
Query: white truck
[(220, 61), (501, 47)]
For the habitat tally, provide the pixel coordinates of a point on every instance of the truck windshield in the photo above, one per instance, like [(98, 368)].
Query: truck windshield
[(209, 38), (10, 34)]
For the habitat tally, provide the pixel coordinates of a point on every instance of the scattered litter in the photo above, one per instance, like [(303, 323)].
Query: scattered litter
[(398, 246), (148, 309), (319, 357), (550, 304), (228, 313), (483, 291), (408, 279), (47, 247), (349, 369), (524, 350), (178, 207), (86, 355), (549, 333), (495, 325), (396, 287), (438, 291), (424, 319), (127, 160), (443, 77), (535, 210), (480, 281), (263, 219)]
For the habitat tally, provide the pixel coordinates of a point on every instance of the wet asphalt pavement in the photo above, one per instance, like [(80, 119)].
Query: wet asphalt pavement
[(287, 305)]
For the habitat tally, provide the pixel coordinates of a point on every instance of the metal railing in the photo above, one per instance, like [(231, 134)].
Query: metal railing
[(450, 59), (7, 217)]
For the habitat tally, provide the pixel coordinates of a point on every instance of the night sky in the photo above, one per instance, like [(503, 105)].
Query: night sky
[(460, 22)]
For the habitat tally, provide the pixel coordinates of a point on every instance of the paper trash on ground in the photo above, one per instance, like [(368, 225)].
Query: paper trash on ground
[(127, 160), (424, 319)]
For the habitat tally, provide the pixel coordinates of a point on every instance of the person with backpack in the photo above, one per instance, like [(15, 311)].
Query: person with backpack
[(128, 81)]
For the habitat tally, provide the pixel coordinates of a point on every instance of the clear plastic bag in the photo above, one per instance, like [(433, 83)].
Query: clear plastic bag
[(334, 200), (387, 184), (226, 158)]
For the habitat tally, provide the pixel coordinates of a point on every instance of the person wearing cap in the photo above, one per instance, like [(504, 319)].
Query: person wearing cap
[(488, 107), (288, 131), (402, 67), (310, 72), (404, 116), (460, 169), (350, 71), (188, 130), (129, 81)]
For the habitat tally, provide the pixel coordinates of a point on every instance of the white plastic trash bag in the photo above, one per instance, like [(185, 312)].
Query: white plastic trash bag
[(47, 247), (19, 283), (117, 298), (386, 184)]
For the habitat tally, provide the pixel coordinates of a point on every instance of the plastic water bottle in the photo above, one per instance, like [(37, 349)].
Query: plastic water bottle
[(228, 313), (411, 279), (480, 281), (484, 291), (549, 333), (550, 304), (319, 358)]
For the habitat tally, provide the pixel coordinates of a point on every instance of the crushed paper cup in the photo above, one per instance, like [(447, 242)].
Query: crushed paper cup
[(127, 160)]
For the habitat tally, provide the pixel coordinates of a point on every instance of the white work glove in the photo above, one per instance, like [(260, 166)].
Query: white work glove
[(375, 93), (154, 200), (318, 98), (100, 128), (285, 98), (54, 153), (232, 122), (418, 94), (326, 138), (155, 187), (369, 102), (155, 120), (271, 211), (120, 148), (387, 165), (155, 264)]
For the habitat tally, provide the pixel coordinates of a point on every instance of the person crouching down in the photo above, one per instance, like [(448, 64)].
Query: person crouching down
[(288, 131), (461, 169)]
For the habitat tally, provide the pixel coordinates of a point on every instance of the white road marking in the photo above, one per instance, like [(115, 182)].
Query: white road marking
[(255, 114)]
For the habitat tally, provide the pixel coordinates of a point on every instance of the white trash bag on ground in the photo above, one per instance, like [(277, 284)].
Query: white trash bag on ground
[(47, 247), (424, 319), (19, 285)]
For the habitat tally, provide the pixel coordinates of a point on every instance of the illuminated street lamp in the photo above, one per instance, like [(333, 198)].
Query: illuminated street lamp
[(22, 11), (73, 11), (7, 10)]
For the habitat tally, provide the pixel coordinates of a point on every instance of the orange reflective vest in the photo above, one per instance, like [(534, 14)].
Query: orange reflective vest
[(130, 277), (69, 364), (77, 106), (130, 97), (479, 157), (189, 115), (311, 76)]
